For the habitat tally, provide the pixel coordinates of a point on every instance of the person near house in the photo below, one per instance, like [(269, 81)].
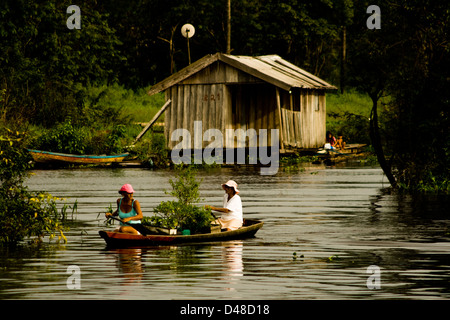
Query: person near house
[(231, 217), (340, 143), (128, 210), (330, 141)]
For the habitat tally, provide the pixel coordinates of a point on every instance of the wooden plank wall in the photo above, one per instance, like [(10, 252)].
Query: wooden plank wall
[(192, 103), (223, 97), (208, 96), (305, 128), (255, 108)]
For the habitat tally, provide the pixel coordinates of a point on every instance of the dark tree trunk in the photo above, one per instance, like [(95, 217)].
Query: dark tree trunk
[(376, 142)]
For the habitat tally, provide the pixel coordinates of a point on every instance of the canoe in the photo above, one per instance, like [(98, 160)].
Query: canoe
[(48, 157), (119, 239)]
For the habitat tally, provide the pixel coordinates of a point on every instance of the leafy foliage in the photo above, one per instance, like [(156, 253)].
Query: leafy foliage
[(68, 138), (186, 187), (44, 66), (22, 213), (65, 138), (14, 160), (182, 213), (353, 127), (409, 59)]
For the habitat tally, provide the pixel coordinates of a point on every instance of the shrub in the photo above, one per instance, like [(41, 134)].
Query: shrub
[(113, 139), (186, 187), (183, 213), (152, 150), (22, 213), (68, 138), (64, 137)]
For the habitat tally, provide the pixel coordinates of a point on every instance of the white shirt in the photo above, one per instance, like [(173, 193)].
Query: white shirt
[(235, 207)]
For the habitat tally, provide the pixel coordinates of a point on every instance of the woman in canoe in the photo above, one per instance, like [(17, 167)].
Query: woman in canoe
[(128, 210), (231, 218)]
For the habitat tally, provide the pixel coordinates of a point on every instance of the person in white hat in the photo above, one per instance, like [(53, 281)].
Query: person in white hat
[(231, 218)]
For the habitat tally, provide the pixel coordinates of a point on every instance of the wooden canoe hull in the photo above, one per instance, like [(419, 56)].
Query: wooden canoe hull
[(118, 239), (47, 156)]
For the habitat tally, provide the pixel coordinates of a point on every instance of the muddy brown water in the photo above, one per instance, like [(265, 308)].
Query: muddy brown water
[(326, 229)]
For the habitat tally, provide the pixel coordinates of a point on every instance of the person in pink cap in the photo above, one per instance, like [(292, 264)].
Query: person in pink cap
[(231, 218), (128, 210)]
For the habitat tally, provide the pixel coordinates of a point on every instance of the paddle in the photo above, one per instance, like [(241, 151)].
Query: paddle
[(136, 226), (215, 218)]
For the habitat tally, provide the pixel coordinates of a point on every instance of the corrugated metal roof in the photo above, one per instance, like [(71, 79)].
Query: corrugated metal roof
[(270, 68)]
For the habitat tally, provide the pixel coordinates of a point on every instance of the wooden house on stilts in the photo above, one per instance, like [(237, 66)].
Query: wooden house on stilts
[(241, 92)]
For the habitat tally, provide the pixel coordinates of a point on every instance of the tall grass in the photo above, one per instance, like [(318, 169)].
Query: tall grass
[(349, 101), (348, 115), (137, 105)]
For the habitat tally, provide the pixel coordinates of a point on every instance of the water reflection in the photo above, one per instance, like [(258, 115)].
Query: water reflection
[(410, 217), (232, 261), (129, 263), (318, 213), (189, 263)]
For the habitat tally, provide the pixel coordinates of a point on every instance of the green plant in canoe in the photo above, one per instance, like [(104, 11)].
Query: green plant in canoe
[(182, 213), (23, 213)]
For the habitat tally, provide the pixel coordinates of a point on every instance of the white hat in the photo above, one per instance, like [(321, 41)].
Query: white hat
[(231, 184)]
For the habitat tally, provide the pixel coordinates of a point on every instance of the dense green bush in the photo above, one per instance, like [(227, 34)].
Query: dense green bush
[(68, 138), (64, 137), (22, 213), (183, 213)]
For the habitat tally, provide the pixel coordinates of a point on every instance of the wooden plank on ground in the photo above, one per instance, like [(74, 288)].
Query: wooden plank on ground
[(148, 126)]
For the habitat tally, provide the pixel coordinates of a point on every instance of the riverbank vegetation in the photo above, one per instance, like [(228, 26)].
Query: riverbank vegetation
[(113, 117), (23, 214), (84, 90)]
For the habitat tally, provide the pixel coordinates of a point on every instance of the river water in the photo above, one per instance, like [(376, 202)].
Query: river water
[(329, 233)]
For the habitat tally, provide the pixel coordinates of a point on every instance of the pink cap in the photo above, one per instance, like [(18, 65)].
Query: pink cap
[(231, 184), (126, 188)]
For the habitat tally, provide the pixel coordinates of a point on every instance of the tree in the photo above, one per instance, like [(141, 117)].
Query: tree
[(304, 32), (372, 62), (45, 66), (422, 99), (409, 60)]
